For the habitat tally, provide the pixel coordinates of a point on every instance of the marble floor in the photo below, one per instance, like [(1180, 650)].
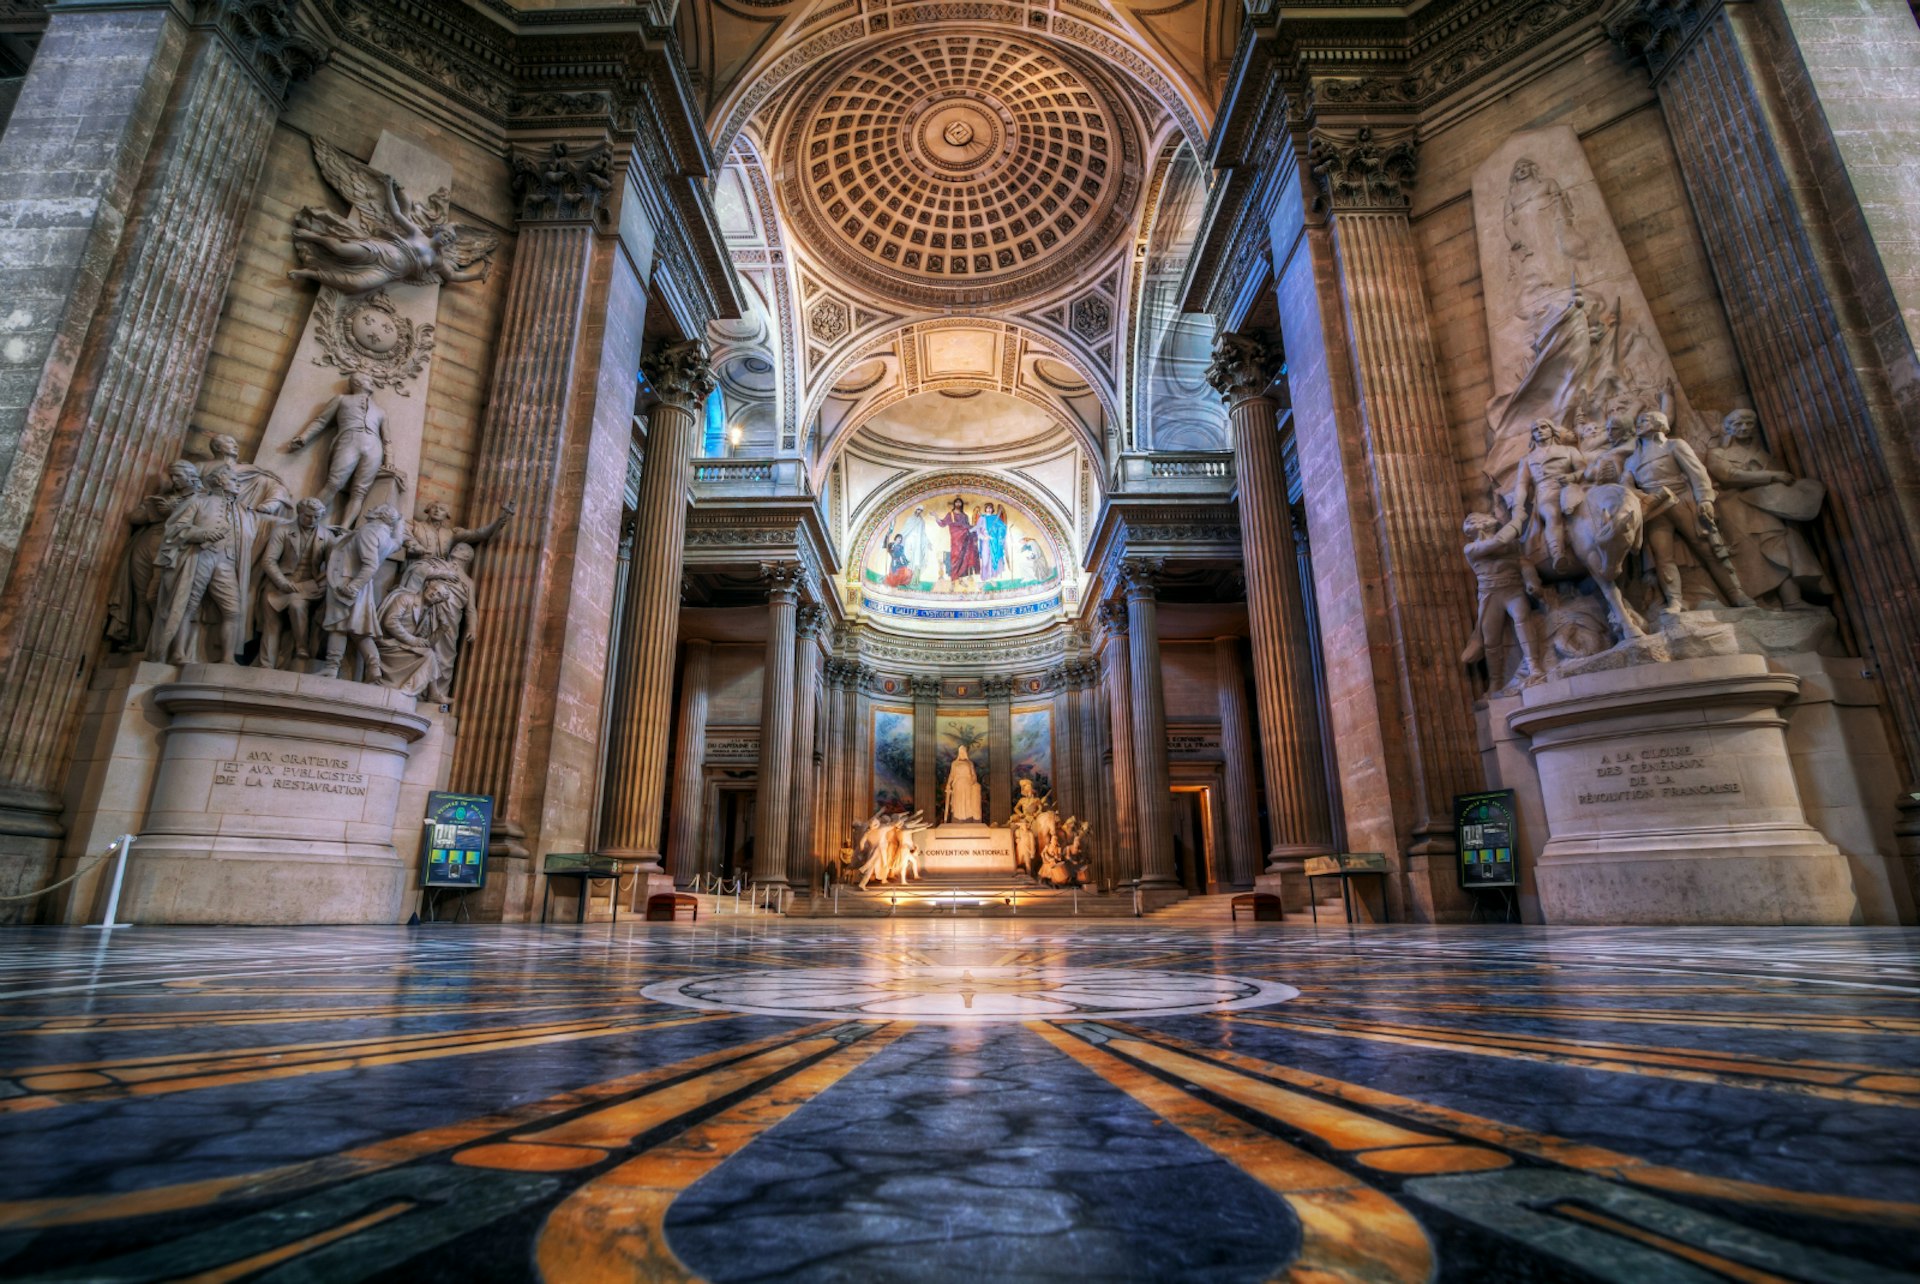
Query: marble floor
[(959, 1100)]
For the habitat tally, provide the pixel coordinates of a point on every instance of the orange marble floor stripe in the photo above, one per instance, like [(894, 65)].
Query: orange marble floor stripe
[(1559, 1150), (52, 1086), (1829, 1080), (614, 1227), (1350, 1232), (70, 1210), (1339, 1128), (274, 1256)]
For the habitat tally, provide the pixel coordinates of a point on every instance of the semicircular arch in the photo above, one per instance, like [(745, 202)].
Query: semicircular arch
[(903, 341)]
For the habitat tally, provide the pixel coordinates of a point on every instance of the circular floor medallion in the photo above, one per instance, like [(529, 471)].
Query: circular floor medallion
[(970, 993)]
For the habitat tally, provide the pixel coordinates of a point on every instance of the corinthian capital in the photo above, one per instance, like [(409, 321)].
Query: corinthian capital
[(1364, 169), (1142, 577), (268, 39), (679, 373), (561, 184), (1243, 365), (1655, 30), (785, 581)]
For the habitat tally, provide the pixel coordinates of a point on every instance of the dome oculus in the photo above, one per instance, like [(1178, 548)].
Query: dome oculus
[(962, 165)]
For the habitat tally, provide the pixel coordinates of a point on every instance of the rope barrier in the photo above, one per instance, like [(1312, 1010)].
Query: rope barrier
[(27, 896)]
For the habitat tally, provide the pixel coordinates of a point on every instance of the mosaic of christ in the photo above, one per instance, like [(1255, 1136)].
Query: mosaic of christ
[(961, 544)]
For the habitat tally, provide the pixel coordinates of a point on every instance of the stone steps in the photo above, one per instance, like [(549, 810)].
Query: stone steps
[(993, 896)]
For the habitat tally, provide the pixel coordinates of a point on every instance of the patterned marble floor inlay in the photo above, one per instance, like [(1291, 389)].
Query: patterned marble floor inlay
[(755, 1100)]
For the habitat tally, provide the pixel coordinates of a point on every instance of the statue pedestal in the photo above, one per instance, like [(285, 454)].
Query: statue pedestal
[(1670, 797), (966, 849), (257, 796)]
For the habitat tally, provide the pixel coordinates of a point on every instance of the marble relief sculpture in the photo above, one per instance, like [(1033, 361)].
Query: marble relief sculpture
[(887, 848), (388, 239), (1493, 553), (1660, 462)]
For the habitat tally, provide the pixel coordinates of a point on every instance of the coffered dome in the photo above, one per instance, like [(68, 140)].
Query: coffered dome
[(961, 168)]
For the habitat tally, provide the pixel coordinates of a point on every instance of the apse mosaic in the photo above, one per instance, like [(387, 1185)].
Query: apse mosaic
[(960, 555), (931, 1100)]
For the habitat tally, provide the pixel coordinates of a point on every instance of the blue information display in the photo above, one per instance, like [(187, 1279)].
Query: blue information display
[(1486, 826), (456, 840)]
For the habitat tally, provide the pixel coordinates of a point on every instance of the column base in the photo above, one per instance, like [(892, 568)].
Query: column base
[(30, 839)]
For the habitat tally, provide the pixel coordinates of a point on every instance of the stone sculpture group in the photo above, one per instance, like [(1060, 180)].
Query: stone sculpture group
[(1046, 848), (226, 566), (887, 849), (1607, 519)]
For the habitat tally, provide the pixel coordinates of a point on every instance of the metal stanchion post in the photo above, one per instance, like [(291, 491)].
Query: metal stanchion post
[(113, 895)]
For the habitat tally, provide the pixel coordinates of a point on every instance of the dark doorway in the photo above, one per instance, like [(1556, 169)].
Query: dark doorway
[(733, 824), (1193, 839)]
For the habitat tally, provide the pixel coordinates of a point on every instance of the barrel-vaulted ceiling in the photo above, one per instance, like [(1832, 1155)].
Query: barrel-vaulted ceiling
[(960, 197)]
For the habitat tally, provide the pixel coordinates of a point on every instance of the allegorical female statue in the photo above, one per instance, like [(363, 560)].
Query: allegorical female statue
[(963, 790)]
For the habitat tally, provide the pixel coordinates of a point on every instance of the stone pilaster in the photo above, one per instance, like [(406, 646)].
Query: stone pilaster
[(637, 765), (1066, 739), (1329, 756), (803, 824), (859, 778), (1365, 178), (999, 693), (773, 806), (926, 704), (554, 441), (1291, 752), (1236, 751), (1118, 677), (1152, 784), (126, 173), (1794, 127), (688, 816)]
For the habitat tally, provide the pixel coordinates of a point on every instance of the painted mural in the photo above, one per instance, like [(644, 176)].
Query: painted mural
[(1033, 748), (965, 545), (951, 731), (892, 760)]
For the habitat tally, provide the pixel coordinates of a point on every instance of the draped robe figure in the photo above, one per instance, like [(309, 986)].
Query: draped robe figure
[(963, 790), (963, 558)]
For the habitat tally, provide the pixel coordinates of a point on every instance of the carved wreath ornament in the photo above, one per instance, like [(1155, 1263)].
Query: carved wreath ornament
[(365, 334)]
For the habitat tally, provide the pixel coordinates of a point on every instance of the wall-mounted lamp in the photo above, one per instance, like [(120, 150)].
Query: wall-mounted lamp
[(733, 440)]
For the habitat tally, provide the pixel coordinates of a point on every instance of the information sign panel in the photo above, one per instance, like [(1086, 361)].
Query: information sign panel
[(456, 840), (1486, 826)]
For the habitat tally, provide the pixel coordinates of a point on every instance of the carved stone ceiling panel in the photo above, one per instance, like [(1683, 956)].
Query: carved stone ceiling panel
[(965, 167)]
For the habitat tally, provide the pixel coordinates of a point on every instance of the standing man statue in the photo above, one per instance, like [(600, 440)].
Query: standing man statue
[(352, 600), (1546, 481), (295, 570), (130, 608), (360, 447), (1493, 551), (203, 558), (1660, 462), (1761, 506), (432, 537)]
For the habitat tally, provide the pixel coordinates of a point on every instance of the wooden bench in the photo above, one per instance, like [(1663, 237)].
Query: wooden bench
[(665, 907), (1264, 906)]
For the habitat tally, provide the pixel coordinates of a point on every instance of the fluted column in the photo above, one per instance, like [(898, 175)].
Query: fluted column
[(859, 780), (687, 819), (833, 776), (126, 176), (1366, 178), (1095, 805), (773, 808), (1118, 675), (1152, 785), (999, 693), (1329, 757), (1236, 752), (1291, 751), (926, 704), (801, 827), (636, 776)]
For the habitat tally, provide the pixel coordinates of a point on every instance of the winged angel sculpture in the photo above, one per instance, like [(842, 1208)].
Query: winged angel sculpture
[(388, 238)]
